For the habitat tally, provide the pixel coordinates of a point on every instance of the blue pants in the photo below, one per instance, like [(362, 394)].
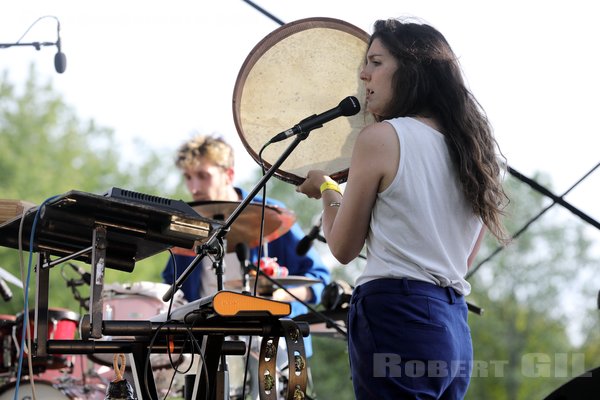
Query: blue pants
[(408, 340)]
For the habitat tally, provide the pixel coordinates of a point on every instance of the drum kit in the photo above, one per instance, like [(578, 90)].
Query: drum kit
[(67, 365)]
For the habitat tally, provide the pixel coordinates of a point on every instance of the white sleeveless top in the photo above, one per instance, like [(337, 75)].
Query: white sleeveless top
[(421, 227)]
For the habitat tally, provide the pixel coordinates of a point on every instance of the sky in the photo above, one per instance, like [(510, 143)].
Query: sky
[(159, 71)]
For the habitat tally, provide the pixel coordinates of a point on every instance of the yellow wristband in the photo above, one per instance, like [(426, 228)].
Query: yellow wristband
[(328, 185)]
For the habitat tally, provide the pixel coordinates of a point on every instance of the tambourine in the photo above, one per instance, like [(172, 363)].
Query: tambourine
[(303, 68)]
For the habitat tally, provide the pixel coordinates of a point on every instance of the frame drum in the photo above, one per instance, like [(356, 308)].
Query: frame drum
[(303, 68)]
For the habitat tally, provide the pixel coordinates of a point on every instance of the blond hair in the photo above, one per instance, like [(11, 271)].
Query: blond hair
[(205, 147)]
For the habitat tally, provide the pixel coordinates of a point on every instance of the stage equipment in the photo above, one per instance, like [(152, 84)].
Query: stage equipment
[(60, 60), (556, 200), (215, 247), (119, 229), (135, 301), (227, 304), (10, 278), (7, 346), (137, 226), (246, 228), (302, 67), (266, 287), (329, 323), (119, 388), (336, 295), (305, 243)]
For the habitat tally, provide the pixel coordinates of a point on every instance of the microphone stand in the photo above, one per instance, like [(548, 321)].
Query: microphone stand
[(219, 233), (322, 316), (37, 45), (214, 245), (556, 200)]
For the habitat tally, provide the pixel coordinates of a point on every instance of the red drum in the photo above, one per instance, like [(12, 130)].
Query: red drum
[(7, 350), (43, 389), (135, 301), (62, 325)]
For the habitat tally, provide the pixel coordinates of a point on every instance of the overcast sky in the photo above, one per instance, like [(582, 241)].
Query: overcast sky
[(159, 71)]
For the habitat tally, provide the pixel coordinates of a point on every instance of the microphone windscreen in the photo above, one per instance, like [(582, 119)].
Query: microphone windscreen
[(60, 62), (349, 106)]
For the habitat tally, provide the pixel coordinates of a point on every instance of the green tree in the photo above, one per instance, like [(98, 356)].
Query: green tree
[(521, 343), (47, 150)]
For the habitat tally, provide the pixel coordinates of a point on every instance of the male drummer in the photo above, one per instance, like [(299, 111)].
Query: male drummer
[(207, 164)]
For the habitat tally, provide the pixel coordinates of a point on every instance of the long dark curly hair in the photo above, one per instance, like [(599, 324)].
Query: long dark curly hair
[(429, 83)]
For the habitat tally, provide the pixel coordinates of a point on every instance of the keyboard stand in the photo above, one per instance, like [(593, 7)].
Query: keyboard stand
[(104, 231)]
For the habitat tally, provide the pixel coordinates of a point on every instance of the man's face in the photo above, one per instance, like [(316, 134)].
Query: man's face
[(207, 181)]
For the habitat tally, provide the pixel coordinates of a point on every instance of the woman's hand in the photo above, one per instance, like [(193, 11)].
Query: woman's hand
[(311, 186)]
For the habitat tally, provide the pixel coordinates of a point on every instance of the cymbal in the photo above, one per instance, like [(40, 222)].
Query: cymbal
[(266, 286), (246, 227)]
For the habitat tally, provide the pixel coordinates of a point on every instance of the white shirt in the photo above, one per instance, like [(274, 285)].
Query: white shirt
[(421, 226)]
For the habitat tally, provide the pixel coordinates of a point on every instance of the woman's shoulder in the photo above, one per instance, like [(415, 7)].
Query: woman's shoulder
[(377, 130)]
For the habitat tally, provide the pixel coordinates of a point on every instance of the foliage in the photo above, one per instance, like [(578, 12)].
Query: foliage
[(523, 342), (46, 150)]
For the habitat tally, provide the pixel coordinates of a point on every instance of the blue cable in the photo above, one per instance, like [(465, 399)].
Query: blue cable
[(26, 296)]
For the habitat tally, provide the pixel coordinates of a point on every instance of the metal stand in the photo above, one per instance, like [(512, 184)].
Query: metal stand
[(115, 233), (221, 231)]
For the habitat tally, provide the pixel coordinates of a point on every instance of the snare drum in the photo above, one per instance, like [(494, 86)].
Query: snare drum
[(62, 325), (43, 389), (135, 301), (7, 353)]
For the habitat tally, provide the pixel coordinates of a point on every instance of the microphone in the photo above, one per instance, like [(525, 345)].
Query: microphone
[(306, 242), (85, 276), (347, 107), (5, 291), (243, 255), (60, 60)]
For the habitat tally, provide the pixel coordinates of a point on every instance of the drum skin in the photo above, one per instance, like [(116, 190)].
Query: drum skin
[(303, 68)]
